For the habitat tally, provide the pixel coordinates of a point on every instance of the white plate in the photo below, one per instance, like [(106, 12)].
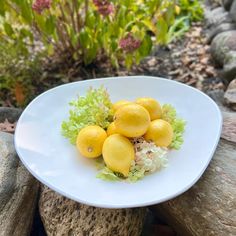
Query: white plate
[(55, 162)]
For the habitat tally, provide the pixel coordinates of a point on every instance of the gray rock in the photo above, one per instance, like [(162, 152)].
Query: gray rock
[(62, 216), (229, 126), (18, 191), (233, 11), (230, 95), (221, 45), (216, 17), (229, 69), (227, 4), (12, 114), (219, 29)]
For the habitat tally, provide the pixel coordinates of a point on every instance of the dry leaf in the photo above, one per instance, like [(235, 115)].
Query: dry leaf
[(19, 93)]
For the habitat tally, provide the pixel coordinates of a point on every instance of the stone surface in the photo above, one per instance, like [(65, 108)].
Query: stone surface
[(18, 191), (219, 29), (229, 126), (216, 17), (62, 216), (233, 11), (227, 4), (209, 207), (12, 114), (229, 69), (230, 95), (221, 45)]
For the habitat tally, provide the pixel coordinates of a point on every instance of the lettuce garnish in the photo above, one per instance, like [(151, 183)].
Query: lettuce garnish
[(169, 114), (93, 109)]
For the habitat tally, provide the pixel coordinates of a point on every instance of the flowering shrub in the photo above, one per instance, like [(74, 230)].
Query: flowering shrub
[(84, 30)]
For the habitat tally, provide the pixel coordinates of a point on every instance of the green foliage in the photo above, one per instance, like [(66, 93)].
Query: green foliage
[(178, 125), (82, 30), (192, 8), (17, 67), (92, 109)]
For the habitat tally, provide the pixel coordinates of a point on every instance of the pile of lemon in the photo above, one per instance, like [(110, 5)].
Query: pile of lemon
[(131, 120)]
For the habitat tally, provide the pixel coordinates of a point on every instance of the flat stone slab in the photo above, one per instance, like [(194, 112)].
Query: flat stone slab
[(18, 191)]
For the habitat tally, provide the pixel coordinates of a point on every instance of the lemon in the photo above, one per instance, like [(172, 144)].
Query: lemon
[(132, 120), (119, 104), (90, 141), (118, 153), (152, 106), (111, 129), (160, 132)]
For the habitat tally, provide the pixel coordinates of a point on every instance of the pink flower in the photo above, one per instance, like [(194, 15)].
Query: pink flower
[(40, 5), (104, 7), (129, 43)]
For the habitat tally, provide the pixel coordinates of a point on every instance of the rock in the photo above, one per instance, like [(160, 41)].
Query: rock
[(219, 29), (18, 191), (62, 216), (229, 69), (208, 208), (216, 17), (233, 11), (230, 95), (12, 114), (229, 126), (227, 4), (221, 45)]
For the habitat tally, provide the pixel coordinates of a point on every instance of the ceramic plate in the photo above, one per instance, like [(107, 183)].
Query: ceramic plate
[(55, 162)]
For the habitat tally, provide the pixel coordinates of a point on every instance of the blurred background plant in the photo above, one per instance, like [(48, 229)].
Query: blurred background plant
[(18, 70), (84, 31)]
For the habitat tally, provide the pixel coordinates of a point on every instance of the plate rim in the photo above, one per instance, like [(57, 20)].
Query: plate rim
[(125, 205)]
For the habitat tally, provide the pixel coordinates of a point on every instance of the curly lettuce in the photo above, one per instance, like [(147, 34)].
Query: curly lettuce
[(93, 109), (169, 114)]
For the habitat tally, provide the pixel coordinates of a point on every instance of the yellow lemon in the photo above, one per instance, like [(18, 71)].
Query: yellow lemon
[(132, 120), (160, 132), (90, 141), (111, 129), (119, 104), (118, 153), (152, 106)]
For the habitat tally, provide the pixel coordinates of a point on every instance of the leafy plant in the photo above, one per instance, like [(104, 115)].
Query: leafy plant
[(17, 71), (83, 30), (192, 8)]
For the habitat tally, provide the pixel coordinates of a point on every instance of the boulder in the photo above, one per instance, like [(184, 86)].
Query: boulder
[(230, 95), (208, 208), (216, 17), (233, 11), (221, 45), (227, 4), (18, 191), (62, 216), (229, 69), (220, 29), (10, 113), (229, 126)]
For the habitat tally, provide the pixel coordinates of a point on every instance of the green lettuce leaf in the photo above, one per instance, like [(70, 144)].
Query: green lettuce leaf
[(169, 114), (108, 175), (136, 173), (93, 109)]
